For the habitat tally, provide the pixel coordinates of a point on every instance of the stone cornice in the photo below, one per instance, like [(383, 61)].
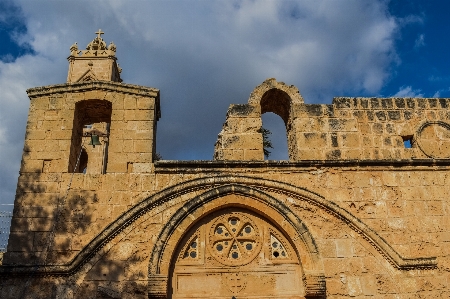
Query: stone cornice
[(170, 166), (93, 85)]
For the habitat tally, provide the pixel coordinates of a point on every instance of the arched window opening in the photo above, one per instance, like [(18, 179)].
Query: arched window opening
[(90, 116), (276, 104), (275, 125)]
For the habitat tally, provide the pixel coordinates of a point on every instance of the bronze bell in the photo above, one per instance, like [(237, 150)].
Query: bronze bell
[(94, 140)]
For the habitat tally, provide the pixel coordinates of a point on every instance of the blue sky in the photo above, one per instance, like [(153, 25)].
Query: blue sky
[(12, 24), (422, 48), (206, 55)]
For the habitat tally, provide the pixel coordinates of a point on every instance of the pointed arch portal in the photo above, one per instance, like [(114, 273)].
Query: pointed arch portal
[(235, 252), (235, 241)]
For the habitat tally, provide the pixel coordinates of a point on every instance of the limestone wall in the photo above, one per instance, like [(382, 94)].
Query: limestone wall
[(349, 128), (406, 209), (360, 215)]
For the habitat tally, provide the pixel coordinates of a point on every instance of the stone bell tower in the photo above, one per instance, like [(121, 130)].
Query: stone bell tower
[(83, 139)]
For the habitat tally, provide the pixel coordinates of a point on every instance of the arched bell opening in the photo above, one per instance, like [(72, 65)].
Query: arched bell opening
[(276, 135), (91, 124), (83, 163), (275, 103), (278, 102)]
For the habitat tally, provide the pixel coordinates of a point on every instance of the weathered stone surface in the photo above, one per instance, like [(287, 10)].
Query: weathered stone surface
[(353, 213), (377, 132)]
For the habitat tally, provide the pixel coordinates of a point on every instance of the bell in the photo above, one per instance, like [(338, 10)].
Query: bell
[(94, 140)]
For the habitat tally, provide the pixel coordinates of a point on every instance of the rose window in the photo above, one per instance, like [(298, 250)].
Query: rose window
[(234, 239)]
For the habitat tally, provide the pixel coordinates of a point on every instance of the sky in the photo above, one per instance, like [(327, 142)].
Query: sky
[(206, 55)]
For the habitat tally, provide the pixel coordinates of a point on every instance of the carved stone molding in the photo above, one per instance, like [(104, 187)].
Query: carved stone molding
[(315, 284), (104, 85), (159, 250), (229, 231), (157, 286), (433, 139)]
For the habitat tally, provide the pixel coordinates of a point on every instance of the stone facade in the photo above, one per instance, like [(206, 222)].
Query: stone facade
[(353, 213)]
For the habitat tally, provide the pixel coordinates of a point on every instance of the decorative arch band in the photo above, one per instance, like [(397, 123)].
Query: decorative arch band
[(166, 195)]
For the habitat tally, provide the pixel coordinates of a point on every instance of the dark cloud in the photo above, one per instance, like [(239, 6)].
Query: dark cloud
[(203, 56)]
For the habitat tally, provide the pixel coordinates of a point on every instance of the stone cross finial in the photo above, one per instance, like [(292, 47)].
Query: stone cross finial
[(99, 33)]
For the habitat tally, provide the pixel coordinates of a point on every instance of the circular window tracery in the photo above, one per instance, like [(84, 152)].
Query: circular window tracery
[(277, 248), (433, 139), (191, 251), (234, 239)]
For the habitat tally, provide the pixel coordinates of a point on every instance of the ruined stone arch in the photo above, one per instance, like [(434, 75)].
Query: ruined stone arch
[(283, 100), (241, 136), (276, 97), (276, 101)]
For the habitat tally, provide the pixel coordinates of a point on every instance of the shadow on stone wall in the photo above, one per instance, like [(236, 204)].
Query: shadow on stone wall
[(45, 222), (48, 228)]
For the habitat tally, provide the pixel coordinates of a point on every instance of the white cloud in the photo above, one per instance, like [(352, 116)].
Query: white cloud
[(203, 55), (434, 78), (408, 92), (439, 92), (410, 19), (420, 41)]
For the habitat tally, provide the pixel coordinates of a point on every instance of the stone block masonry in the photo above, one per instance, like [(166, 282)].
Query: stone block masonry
[(360, 209), (348, 129)]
